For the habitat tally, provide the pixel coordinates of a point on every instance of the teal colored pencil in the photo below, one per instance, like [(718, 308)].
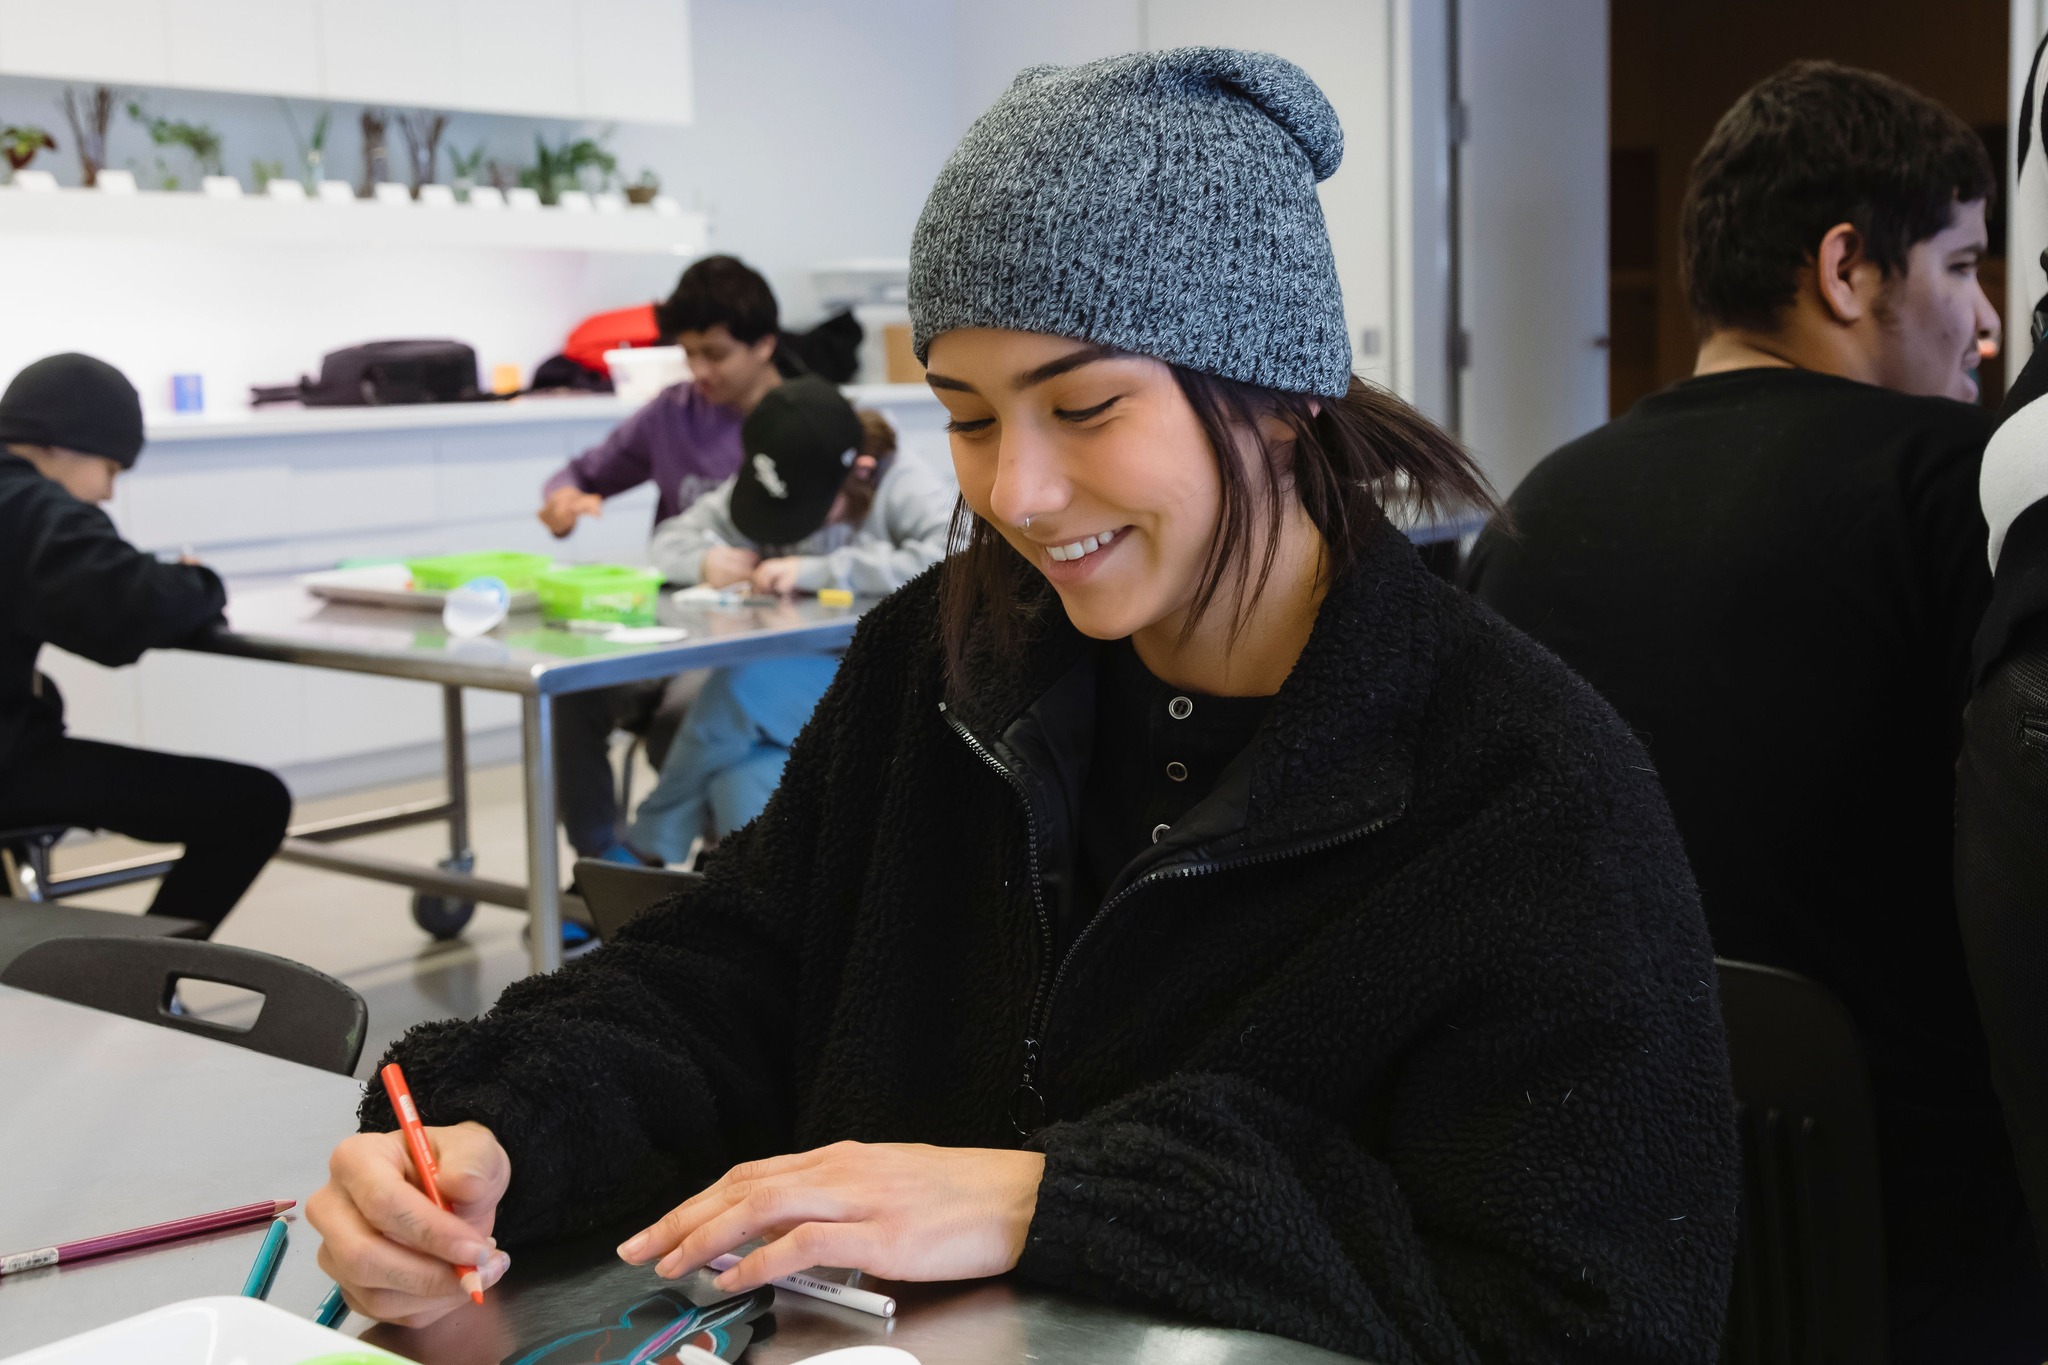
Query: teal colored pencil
[(332, 1310), (257, 1286)]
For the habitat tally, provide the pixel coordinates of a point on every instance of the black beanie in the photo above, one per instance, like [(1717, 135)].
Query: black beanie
[(75, 402), (799, 440)]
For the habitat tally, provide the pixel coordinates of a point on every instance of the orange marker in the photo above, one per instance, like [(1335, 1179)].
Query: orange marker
[(416, 1142)]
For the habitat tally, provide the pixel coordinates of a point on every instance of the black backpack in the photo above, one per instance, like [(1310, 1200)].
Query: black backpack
[(385, 372)]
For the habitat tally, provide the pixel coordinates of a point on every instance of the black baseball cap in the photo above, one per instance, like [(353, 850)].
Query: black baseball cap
[(798, 443), (75, 402)]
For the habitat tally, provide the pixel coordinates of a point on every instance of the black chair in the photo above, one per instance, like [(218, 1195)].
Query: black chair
[(616, 892), (24, 924), (1809, 1267), (25, 860), (306, 1017)]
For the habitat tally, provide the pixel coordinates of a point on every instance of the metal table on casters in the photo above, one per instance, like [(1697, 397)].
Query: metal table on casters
[(113, 1123), (537, 662)]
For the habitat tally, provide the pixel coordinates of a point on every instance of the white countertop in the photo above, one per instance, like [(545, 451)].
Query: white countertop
[(287, 419)]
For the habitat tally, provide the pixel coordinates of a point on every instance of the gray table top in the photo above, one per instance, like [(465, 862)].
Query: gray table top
[(108, 1124), (284, 623)]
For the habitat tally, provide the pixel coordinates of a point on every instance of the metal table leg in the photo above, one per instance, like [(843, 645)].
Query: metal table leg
[(455, 753), (543, 872)]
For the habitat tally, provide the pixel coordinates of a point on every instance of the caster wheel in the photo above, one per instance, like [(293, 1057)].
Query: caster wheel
[(441, 916)]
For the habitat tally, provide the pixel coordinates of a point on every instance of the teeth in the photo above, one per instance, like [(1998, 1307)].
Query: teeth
[(1079, 549)]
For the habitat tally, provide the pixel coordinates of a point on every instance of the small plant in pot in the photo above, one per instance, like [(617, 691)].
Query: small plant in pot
[(90, 119), (19, 143), (643, 190), (466, 168), (198, 139)]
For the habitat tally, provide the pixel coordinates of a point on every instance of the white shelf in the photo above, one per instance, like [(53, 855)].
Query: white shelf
[(254, 218), (290, 420)]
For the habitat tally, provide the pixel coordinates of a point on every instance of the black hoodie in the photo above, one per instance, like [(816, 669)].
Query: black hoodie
[(1405, 1042), (68, 579)]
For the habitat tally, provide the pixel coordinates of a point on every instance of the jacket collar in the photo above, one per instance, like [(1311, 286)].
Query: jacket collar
[(1337, 749)]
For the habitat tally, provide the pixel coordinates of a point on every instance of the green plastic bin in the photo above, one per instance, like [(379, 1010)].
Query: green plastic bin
[(600, 592), (443, 573)]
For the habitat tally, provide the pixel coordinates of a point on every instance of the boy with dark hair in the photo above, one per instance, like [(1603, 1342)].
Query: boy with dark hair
[(1773, 570), (686, 440), (69, 424)]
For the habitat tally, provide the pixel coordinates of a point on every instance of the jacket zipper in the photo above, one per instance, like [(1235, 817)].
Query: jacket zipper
[(1049, 984)]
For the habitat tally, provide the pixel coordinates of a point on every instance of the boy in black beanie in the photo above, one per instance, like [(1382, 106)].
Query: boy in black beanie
[(69, 424)]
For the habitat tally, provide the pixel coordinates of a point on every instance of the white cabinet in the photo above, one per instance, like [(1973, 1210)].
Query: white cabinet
[(105, 40), (634, 62), (517, 54), (615, 60), (229, 44), (389, 52)]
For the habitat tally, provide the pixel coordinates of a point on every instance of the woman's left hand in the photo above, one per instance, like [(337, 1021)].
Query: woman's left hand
[(777, 577), (902, 1211)]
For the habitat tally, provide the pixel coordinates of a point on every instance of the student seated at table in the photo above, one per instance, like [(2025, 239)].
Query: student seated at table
[(69, 424), (1773, 569), (1181, 897), (686, 441), (822, 502)]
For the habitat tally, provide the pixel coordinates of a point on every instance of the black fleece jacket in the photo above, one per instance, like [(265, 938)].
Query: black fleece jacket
[(1417, 1055), (68, 579)]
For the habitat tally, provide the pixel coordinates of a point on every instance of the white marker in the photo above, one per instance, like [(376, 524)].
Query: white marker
[(866, 1300)]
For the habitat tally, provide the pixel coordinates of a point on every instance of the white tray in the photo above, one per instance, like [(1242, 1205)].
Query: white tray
[(222, 1330), (388, 585)]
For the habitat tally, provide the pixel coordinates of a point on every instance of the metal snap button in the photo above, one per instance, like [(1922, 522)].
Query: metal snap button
[(1177, 771), (1180, 708), (1158, 831)]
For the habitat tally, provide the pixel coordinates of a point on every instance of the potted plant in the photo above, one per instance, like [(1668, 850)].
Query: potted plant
[(90, 119), (643, 190), (466, 166), (312, 150), (422, 145), (19, 143), (564, 167), (201, 141)]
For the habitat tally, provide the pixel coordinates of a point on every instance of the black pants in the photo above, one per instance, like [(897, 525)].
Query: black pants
[(230, 817)]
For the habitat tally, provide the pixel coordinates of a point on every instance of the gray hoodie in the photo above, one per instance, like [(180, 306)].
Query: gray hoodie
[(903, 534)]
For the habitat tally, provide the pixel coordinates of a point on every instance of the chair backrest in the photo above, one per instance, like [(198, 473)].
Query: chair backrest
[(307, 1016), (616, 892), (1809, 1269)]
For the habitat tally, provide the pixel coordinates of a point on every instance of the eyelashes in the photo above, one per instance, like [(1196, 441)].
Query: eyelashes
[(1074, 416)]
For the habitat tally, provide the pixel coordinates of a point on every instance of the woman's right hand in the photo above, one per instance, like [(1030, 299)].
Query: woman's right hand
[(392, 1251)]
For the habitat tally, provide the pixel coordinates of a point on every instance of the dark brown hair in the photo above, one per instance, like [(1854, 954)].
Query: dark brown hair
[(1345, 459), (1815, 145), (877, 449)]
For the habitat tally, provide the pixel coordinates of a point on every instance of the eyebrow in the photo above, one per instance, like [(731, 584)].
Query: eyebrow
[(1051, 369)]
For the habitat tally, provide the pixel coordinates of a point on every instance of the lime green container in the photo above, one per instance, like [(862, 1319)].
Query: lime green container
[(443, 573), (599, 592)]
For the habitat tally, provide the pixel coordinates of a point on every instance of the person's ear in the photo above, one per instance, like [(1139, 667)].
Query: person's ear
[(1847, 280), (764, 349)]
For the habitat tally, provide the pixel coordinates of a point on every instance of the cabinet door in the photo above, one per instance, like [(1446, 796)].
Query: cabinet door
[(265, 46), (85, 40), (394, 52), (517, 56), (634, 60)]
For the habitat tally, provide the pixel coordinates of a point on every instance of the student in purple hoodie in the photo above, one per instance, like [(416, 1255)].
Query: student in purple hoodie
[(687, 442)]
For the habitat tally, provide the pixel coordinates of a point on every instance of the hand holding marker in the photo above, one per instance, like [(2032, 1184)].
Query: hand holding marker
[(423, 1160)]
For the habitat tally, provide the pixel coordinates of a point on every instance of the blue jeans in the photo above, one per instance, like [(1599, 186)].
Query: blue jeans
[(728, 756)]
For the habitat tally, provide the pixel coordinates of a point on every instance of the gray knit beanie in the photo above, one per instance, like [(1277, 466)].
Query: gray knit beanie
[(1163, 203)]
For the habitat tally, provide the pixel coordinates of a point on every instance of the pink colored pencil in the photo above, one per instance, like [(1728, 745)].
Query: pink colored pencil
[(66, 1252)]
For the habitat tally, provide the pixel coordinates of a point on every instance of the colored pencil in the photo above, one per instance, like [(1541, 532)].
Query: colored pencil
[(845, 1295), (66, 1252), (332, 1310), (264, 1271), (423, 1159)]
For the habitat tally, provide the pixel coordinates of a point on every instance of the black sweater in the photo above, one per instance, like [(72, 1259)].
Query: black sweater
[(1775, 576), (68, 579), (1415, 1053)]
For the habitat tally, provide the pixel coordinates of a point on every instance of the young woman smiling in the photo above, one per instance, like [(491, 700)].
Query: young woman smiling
[(1180, 896)]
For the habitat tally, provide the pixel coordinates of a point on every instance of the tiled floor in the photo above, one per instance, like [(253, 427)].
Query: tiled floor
[(362, 931)]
